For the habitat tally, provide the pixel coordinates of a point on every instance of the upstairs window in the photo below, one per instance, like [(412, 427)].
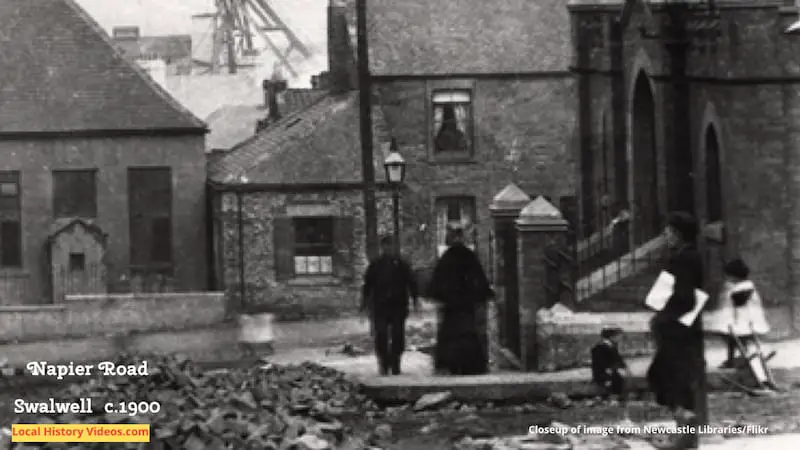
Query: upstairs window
[(75, 193), (150, 212), (452, 122)]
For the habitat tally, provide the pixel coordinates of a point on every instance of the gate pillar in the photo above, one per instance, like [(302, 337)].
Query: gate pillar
[(504, 320), (540, 229)]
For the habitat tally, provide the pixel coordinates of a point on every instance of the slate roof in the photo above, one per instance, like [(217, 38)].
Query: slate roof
[(59, 71), (318, 145), (232, 124), (426, 37), (172, 48)]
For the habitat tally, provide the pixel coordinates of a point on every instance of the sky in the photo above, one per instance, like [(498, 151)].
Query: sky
[(307, 18)]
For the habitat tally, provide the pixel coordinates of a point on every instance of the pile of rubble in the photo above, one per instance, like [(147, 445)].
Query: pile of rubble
[(263, 407)]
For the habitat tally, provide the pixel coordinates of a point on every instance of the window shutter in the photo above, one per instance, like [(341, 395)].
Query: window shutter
[(343, 260), (283, 240)]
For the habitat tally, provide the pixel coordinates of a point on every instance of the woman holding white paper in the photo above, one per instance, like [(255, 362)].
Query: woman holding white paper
[(678, 366)]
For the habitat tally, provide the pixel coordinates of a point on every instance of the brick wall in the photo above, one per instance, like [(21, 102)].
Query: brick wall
[(35, 159), (749, 117), (524, 133), (295, 297)]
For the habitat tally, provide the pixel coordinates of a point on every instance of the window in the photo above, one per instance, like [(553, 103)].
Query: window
[(10, 227), (452, 121), (454, 209), (313, 245), (150, 215), (75, 193), (77, 262)]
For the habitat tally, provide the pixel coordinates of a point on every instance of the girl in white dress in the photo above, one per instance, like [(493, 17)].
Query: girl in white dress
[(740, 310)]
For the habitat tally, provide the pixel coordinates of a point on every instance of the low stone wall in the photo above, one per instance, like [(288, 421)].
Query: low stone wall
[(217, 343), (565, 342), (81, 316)]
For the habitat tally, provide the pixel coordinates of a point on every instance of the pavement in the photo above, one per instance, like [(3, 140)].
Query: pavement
[(418, 379), (290, 336)]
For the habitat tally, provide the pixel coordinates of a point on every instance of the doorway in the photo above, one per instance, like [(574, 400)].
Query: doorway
[(646, 215)]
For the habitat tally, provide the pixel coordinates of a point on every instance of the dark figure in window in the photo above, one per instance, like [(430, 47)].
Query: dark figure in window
[(450, 137)]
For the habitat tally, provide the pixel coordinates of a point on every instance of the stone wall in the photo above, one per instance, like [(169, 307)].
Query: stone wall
[(566, 342), (111, 157), (733, 93), (82, 316), (296, 297)]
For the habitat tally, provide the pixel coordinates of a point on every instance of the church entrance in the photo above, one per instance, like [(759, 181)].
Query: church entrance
[(646, 215)]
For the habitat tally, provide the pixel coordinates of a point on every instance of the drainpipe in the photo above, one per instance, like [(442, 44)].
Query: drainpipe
[(240, 219)]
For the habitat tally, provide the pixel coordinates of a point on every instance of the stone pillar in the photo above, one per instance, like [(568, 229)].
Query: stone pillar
[(540, 224), (505, 209)]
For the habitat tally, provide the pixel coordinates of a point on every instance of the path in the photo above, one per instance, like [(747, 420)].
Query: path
[(293, 335), (418, 365)]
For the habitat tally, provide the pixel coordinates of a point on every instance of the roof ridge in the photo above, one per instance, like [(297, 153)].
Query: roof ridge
[(143, 75), (299, 132), (274, 126), (249, 153)]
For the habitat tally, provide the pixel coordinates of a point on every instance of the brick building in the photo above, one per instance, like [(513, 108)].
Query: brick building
[(477, 96), (695, 108), (89, 141), (287, 203)]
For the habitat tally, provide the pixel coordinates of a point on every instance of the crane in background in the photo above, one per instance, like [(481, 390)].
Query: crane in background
[(237, 26)]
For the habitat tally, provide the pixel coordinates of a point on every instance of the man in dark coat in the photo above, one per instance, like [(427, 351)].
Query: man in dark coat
[(388, 284), (677, 373), (460, 286)]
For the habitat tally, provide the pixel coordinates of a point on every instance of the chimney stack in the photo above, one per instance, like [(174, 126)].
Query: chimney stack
[(341, 60), (320, 81), (272, 89)]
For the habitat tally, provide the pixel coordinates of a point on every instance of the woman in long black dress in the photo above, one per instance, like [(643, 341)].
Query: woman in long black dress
[(460, 286), (678, 367)]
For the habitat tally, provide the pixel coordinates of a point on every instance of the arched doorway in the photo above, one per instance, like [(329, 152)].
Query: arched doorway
[(647, 221), (713, 177), (715, 236)]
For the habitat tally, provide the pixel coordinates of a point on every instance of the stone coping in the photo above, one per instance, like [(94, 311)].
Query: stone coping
[(170, 296)]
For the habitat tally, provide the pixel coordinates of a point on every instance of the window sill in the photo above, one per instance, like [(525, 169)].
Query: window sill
[(452, 158), (315, 280)]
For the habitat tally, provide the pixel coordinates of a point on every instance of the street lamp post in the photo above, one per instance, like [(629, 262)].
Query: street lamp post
[(395, 167)]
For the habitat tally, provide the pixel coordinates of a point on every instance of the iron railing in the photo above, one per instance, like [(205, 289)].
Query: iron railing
[(615, 244)]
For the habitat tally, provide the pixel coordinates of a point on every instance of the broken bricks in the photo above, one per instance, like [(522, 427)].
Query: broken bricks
[(263, 407)]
